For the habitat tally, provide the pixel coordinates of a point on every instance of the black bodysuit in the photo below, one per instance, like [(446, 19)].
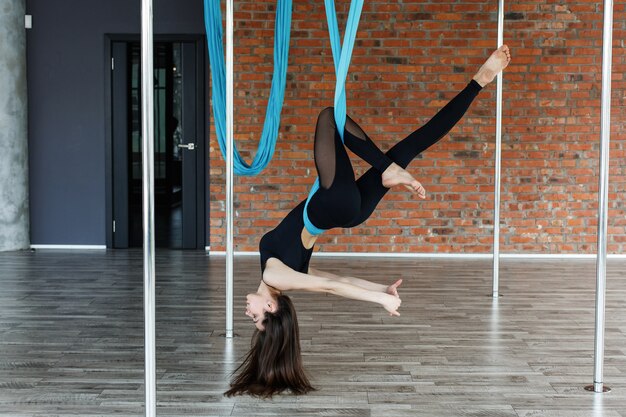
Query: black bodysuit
[(285, 242), (341, 201)]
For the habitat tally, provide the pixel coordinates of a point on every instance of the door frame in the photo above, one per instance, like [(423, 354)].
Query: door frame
[(202, 140)]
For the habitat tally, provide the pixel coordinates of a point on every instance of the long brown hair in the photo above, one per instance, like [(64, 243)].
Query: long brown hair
[(274, 362)]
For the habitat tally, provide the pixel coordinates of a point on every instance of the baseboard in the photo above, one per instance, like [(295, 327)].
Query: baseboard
[(438, 255), (378, 254), (70, 247)]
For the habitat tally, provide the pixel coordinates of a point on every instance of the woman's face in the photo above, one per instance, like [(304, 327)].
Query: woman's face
[(256, 307)]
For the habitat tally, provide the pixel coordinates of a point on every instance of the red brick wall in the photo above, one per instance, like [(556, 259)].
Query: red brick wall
[(410, 58)]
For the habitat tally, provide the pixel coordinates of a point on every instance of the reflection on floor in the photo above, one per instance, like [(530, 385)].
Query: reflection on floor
[(71, 338)]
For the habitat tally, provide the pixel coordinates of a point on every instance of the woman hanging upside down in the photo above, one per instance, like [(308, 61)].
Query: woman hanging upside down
[(274, 362)]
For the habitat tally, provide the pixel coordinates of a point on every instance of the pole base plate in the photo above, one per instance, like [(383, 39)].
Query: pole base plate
[(592, 388)]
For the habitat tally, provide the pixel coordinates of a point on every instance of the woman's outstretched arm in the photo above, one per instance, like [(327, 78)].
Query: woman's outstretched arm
[(283, 278), (359, 282)]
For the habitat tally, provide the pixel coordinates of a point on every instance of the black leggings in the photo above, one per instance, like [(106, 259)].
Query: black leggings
[(343, 202)]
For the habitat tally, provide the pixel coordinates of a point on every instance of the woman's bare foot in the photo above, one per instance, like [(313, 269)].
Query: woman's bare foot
[(498, 61), (396, 175)]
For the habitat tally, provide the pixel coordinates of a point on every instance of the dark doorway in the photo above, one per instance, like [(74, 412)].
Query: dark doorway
[(179, 167)]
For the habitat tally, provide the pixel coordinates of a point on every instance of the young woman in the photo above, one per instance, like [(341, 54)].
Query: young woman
[(274, 362)]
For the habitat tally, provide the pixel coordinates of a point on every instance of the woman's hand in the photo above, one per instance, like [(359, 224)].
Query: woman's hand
[(393, 288), (391, 303)]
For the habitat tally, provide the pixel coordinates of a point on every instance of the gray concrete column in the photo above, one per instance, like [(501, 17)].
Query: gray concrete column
[(14, 229)]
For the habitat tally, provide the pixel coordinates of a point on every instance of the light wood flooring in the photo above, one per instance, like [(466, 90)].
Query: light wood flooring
[(71, 338)]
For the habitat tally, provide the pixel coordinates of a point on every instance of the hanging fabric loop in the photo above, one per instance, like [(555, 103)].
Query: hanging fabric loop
[(267, 143), (341, 59), (342, 54)]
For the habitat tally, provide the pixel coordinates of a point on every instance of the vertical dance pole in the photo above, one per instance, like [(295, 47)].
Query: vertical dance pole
[(496, 205), (147, 135), (603, 195), (229, 168)]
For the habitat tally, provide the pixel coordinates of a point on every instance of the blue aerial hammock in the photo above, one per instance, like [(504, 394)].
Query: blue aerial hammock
[(267, 144), (341, 58)]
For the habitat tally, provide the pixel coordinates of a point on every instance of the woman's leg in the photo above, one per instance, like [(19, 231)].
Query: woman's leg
[(337, 201), (370, 183), (337, 190)]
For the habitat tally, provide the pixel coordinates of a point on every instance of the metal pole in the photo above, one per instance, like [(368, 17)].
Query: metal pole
[(229, 168), (147, 132), (496, 205), (603, 194)]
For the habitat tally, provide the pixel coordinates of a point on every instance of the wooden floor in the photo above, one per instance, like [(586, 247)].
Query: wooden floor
[(71, 339)]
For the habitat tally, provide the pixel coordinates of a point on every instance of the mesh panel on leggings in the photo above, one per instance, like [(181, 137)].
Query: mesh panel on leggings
[(355, 129), (325, 147)]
